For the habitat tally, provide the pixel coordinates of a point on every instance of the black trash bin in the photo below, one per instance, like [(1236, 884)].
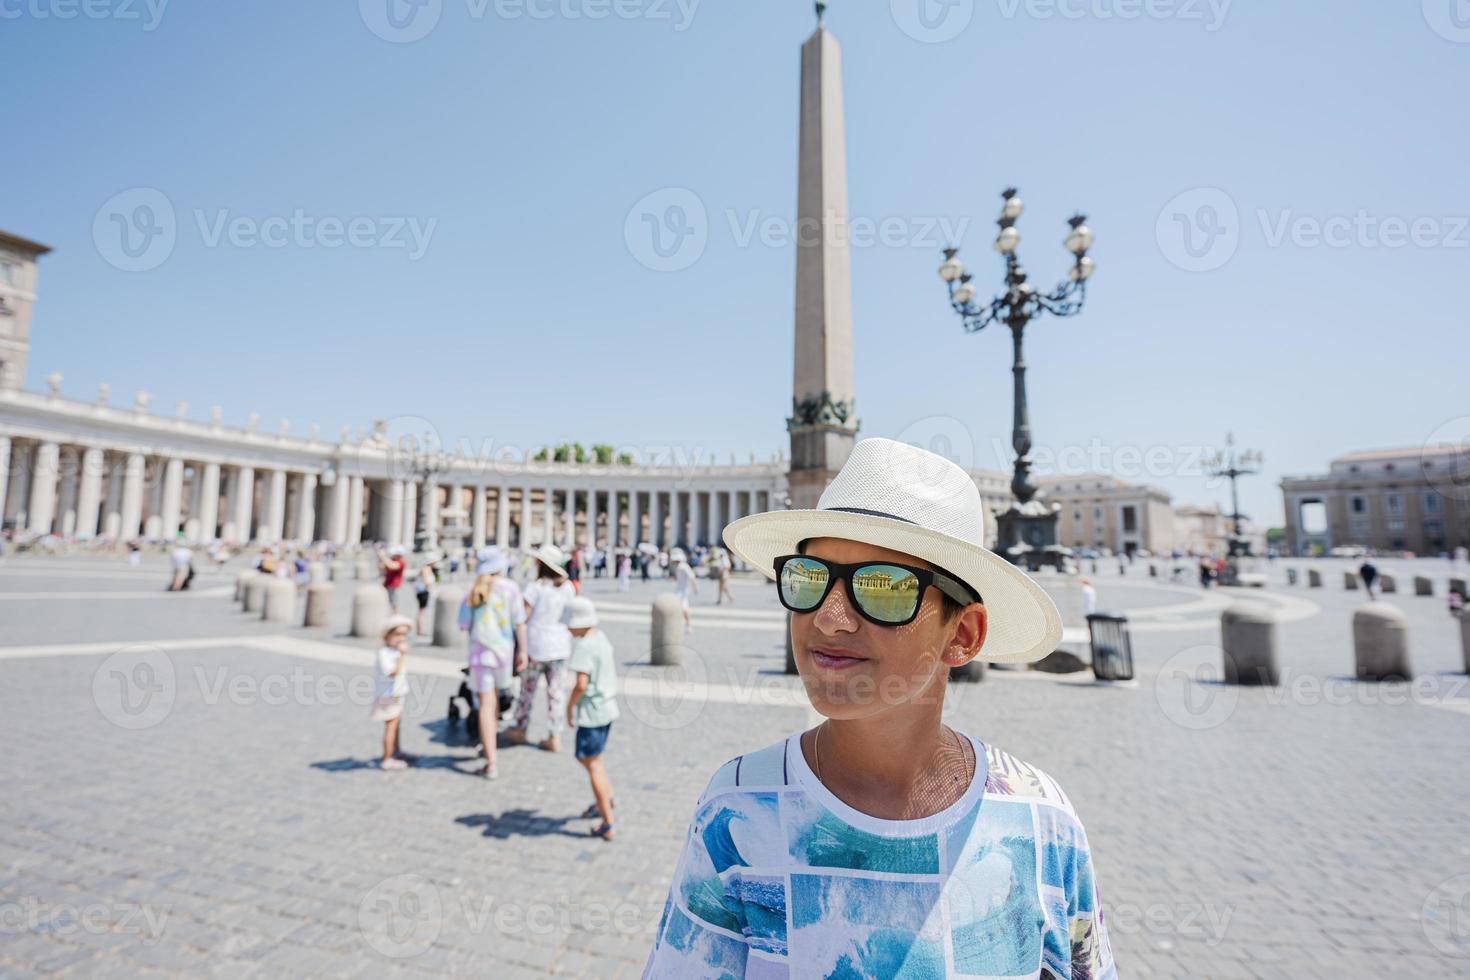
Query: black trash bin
[(1112, 648)]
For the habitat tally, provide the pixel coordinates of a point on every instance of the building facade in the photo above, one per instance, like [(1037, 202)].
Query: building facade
[(1101, 511), (1415, 499)]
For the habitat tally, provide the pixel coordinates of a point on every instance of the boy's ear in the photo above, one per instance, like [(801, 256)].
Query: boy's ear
[(967, 635)]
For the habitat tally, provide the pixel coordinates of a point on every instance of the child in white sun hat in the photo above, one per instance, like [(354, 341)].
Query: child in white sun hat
[(883, 842), (390, 688)]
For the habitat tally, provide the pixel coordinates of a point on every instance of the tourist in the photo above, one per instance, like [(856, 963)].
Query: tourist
[(135, 553), (182, 560), (391, 688), (685, 582), (593, 706), (1368, 572), (883, 840), (1089, 597), (643, 562), (625, 570), (424, 581), (722, 572), (548, 644), (574, 570), (494, 616), (392, 566)]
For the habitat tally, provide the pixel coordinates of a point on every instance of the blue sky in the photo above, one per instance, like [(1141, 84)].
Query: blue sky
[(1318, 312)]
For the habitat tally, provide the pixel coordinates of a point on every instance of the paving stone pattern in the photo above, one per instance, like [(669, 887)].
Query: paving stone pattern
[(235, 825)]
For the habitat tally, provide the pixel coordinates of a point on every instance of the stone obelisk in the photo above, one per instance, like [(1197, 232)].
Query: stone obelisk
[(822, 425)]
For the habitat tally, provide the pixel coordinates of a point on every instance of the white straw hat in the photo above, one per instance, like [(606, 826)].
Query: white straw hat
[(896, 496), (579, 612), (552, 557)]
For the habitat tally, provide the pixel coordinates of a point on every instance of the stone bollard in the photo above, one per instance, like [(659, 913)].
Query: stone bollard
[(365, 570), (255, 592), (667, 649), (1350, 581), (1314, 579), (1248, 638), (1381, 642), (1465, 636), (337, 570), (280, 601), (1291, 576), (369, 610), (1153, 570), (241, 581), (1387, 583), (316, 572), (318, 604), (1423, 585), (446, 617)]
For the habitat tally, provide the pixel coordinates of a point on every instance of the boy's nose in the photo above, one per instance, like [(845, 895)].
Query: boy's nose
[(835, 615)]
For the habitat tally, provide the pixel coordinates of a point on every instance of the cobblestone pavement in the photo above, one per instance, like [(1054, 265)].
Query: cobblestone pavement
[(188, 791)]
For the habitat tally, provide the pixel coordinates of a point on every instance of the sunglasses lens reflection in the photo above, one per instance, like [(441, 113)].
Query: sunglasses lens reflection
[(886, 593), (803, 582)]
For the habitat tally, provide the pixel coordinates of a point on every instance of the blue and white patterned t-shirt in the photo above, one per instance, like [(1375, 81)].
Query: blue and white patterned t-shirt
[(781, 879)]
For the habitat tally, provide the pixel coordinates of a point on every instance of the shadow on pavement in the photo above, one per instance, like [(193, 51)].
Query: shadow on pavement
[(520, 823)]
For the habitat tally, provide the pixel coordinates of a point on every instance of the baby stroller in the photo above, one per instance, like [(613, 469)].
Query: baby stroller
[(471, 716)]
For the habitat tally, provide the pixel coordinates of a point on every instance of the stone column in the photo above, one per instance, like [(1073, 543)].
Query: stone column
[(153, 500), (70, 472), (477, 518), (275, 508), (655, 519), (353, 516), (42, 509), (337, 527), (393, 512), (19, 495), (112, 510), (89, 495), (306, 509), (502, 516), (570, 516), (430, 507), (635, 518), (173, 495), (676, 519), (4, 471), (242, 501), (408, 530), (548, 515), (525, 536), (209, 502), (591, 517), (132, 497), (614, 518), (699, 502), (196, 499)]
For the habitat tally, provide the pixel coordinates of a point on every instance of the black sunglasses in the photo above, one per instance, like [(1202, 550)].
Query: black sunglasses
[(881, 591)]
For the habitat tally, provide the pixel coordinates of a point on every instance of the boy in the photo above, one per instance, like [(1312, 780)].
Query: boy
[(593, 705), (391, 687), (861, 847)]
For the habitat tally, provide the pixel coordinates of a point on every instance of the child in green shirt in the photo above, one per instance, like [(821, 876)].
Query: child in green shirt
[(593, 706)]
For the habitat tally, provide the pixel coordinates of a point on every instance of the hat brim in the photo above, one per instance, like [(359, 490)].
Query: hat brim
[(555, 568), (1023, 626)]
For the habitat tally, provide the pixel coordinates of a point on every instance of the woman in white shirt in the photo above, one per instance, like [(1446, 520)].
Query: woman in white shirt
[(549, 644)]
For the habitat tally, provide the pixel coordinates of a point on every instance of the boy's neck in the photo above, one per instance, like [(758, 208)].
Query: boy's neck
[(902, 764)]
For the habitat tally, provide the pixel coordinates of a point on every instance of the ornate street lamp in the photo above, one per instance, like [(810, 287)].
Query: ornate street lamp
[(1234, 465), (1028, 531)]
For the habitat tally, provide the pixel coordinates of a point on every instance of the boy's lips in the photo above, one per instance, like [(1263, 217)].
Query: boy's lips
[(835, 659)]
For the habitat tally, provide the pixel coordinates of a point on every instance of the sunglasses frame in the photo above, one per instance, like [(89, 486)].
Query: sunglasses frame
[(951, 587)]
